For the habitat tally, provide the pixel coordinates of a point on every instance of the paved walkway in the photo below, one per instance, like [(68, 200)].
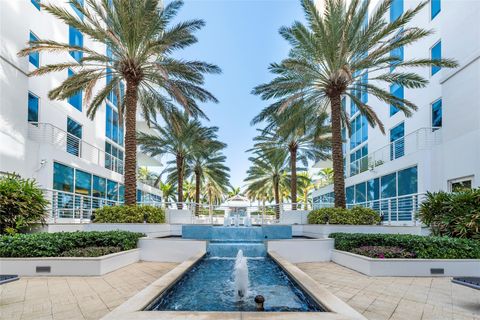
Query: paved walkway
[(377, 298), (398, 298), (76, 297)]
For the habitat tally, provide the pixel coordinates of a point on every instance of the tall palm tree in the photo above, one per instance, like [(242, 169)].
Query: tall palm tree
[(341, 53), (305, 186), (189, 191), (234, 191), (168, 192), (268, 172), (305, 137), (179, 137), (326, 176), (141, 43)]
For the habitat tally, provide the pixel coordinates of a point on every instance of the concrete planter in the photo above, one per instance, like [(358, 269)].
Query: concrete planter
[(74, 266), (149, 229), (303, 250), (169, 250), (177, 216), (407, 267), (294, 217), (324, 230)]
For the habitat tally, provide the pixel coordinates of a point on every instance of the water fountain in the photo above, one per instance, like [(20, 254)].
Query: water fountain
[(241, 276)]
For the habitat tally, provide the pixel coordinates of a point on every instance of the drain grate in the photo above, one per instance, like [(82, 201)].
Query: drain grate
[(5, 278)]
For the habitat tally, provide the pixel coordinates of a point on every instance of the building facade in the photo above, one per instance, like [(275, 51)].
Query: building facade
[(77, 160), (437, 147)]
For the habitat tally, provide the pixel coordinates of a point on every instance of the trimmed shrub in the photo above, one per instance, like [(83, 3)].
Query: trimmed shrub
[(454, 214), (22, 204), (55, 244), (129, 214), (383, 252), (90, 251), (357, 215), (424, 247)]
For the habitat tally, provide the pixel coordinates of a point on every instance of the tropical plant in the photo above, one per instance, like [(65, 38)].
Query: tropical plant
[(339, 53), (168, 192), (180, 137), (139, 44), (305, 137), (354, 216), (326, 177), (22, 204), (268, 172), (146, 176), (189, 191), (129, 214), (234, 191), (305, 186)]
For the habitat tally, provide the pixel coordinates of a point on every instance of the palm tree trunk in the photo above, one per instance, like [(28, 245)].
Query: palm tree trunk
[(179, 181), (277, 200), (337, 154), (197, 192), (293, 182), (130, 169)]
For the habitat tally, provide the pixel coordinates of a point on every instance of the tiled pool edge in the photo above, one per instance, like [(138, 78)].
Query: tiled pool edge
[(133, 308)]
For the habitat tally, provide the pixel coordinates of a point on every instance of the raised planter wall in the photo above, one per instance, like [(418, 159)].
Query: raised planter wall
[(294, 217), (303, 250), (175, 216), (324, 230), (169, 250), (407, 267), (96, 266)]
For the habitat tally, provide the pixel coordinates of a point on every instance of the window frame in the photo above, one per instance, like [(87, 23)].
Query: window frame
[(441, 112), (432, 16), (461, 179), (37, 53), (36, 4), (438, 42), (28, 107)]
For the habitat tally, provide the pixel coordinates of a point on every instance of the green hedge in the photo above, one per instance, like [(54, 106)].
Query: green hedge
[(129, 214), (55, 244), (424, 247), (355, 215), (454, 214)]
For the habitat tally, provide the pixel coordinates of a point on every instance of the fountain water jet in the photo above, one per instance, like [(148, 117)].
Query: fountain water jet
[(241, 276)]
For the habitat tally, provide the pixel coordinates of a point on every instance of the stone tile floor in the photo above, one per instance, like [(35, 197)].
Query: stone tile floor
[(377, 298), (76, 297), (396, 298)]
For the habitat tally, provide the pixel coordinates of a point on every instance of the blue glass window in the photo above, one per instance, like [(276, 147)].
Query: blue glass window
[(396, 10), (397, 145), (437, 114), (407, 181), (36, 3), (360, 192), (139, 195), (373, 189), (359, 160), (76, 99), (436, 54), (112, 190), (114, 131), (359, 131), (99, 187), (34, 57), (350, 193), (32, 108), (435, 7), (62, 177), (396, 53), (83, 182), (74, 136), (113, 158), (121, 193), (398, 92), (80, 2), (389, 185), (75, 38)]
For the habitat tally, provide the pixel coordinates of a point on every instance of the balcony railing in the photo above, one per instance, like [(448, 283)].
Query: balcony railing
[(421, 139)]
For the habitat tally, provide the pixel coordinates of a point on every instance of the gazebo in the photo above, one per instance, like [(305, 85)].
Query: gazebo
[(236, 209)]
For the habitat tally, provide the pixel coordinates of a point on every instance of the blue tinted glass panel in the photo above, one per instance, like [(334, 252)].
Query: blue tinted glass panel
[(373, 189), (350, 192), (396, 10), (360, 192), (112, 190), (389, 186), (108, 126), (437, 114), (99, 187), (397, 146), (121, 193), (398, 92), (364, 93), (74, 136), (436, 54), (62, 177), (36, 3), (435, 6), (32, 108), (34, 57), (407, 181), (83, 182), (139, 195), (115, 127), (398, 54), (80, 2), (75, 38), (76, 99)]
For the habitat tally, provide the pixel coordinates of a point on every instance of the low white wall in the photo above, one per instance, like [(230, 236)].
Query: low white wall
[(69, 266), (297, 230), (294, 217), (324, 230), (149, 229), (169, 250), (175, 216), (303, 250), (407, 267)]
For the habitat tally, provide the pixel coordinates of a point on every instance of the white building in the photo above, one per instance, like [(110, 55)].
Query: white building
[(79, 160), (438, 147)]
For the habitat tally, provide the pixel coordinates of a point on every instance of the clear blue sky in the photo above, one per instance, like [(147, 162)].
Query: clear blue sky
[(242, 38)]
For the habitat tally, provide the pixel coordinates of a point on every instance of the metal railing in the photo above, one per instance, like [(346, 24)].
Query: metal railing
[(59, 138), (394, 210), (420, 139)]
